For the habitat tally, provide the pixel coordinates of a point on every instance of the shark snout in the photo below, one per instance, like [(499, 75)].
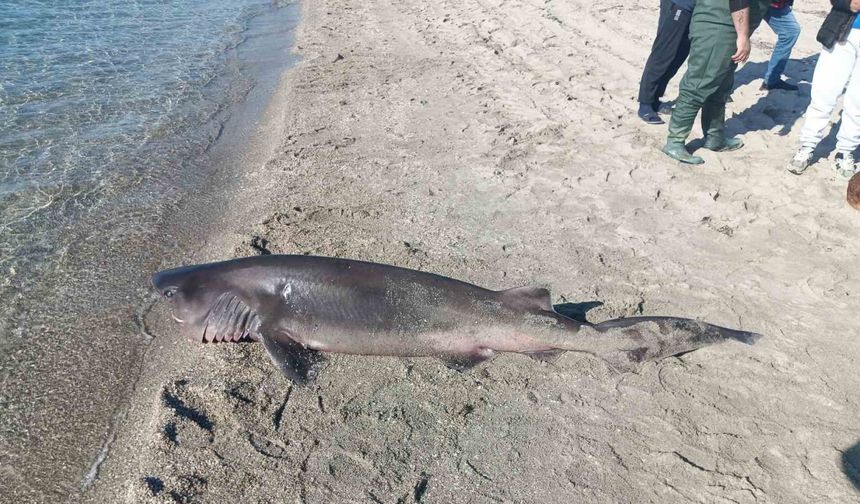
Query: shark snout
[(163, 289), (157, 281)]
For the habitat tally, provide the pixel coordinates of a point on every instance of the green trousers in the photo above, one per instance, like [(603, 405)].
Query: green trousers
[(708, 82)]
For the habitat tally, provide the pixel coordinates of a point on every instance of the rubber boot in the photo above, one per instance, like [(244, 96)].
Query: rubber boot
[(714, 126), (680, 126), (727, 145), (678, 151)]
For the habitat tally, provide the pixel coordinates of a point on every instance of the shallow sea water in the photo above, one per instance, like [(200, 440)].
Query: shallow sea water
[(100, 97), (111, 114)]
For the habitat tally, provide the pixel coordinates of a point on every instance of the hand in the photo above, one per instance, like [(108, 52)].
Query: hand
[(743, 52), (855, 5)]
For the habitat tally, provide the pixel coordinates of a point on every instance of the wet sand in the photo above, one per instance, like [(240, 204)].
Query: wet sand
[(75, 340), (493, 142)]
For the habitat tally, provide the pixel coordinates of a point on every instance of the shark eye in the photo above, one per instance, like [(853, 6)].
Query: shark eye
[(169, 293)]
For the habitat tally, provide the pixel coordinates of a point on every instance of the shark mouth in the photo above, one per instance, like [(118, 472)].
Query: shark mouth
[(230, 320)]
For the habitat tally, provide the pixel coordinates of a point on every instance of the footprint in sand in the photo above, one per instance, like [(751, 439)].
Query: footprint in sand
[(187, 422)]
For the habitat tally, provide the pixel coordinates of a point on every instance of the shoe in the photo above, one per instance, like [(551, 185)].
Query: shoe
[(677, 151), (780, 84), (801, 160), (726, 145), (844, 164), (664, 108), (648, 114)]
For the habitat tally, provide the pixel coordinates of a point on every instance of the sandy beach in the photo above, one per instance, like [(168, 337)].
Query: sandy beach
[(496, 142)]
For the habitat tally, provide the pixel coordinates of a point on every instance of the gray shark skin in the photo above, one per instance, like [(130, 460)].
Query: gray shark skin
[(302, 306)]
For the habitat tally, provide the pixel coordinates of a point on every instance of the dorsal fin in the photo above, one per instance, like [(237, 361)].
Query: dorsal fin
[(528, 298)]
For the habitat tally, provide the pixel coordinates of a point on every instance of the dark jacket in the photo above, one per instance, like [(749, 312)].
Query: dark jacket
[(687, 5), (837, 25), (842, 5)]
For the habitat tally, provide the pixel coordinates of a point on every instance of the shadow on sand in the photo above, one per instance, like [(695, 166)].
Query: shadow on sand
[(777, 108), (851, 464), (780, 108), (577, 311)]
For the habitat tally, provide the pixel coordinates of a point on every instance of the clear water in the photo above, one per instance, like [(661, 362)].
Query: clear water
[(110, 112), (100, 97)]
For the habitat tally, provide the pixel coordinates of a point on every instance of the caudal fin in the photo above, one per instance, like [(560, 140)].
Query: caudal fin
[(631, 341), (747, 338)]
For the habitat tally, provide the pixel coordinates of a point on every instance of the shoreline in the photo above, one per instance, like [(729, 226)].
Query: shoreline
[(492, 142), (259, 120), (240, 143), (107, 340), (249, 135)]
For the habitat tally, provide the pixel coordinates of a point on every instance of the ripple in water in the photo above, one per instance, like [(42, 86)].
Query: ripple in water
[(101, 104), (108, 110)]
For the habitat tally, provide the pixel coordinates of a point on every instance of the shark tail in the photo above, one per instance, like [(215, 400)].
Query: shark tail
[(628, 342)]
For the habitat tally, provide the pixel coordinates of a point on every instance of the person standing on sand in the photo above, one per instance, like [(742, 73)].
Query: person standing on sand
[(669, 51), (837, 70), (719, 40), (781, 19)]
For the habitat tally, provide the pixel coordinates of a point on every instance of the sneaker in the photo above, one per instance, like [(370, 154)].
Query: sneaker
[(844, 164), (801, 160)]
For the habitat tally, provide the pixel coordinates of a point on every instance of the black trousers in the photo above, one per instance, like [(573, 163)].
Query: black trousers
[(669, 51)]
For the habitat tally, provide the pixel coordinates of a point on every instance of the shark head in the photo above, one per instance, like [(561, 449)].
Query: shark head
[(207, 303)]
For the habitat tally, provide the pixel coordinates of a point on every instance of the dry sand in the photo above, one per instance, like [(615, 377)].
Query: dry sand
[(492, 141)]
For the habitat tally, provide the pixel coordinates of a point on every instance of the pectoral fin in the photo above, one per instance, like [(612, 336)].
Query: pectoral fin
[(296, 362)]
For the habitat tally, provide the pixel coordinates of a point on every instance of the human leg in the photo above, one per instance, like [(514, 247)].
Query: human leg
[(706, 85), (684, 114), (832, 72), (784, 24), (671, 38), (680, 24), (714, 115), (653, 65), (722, 69), (848, 137)]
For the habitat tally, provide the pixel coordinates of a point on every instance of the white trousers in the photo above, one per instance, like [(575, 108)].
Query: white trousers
[(837, 70)]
